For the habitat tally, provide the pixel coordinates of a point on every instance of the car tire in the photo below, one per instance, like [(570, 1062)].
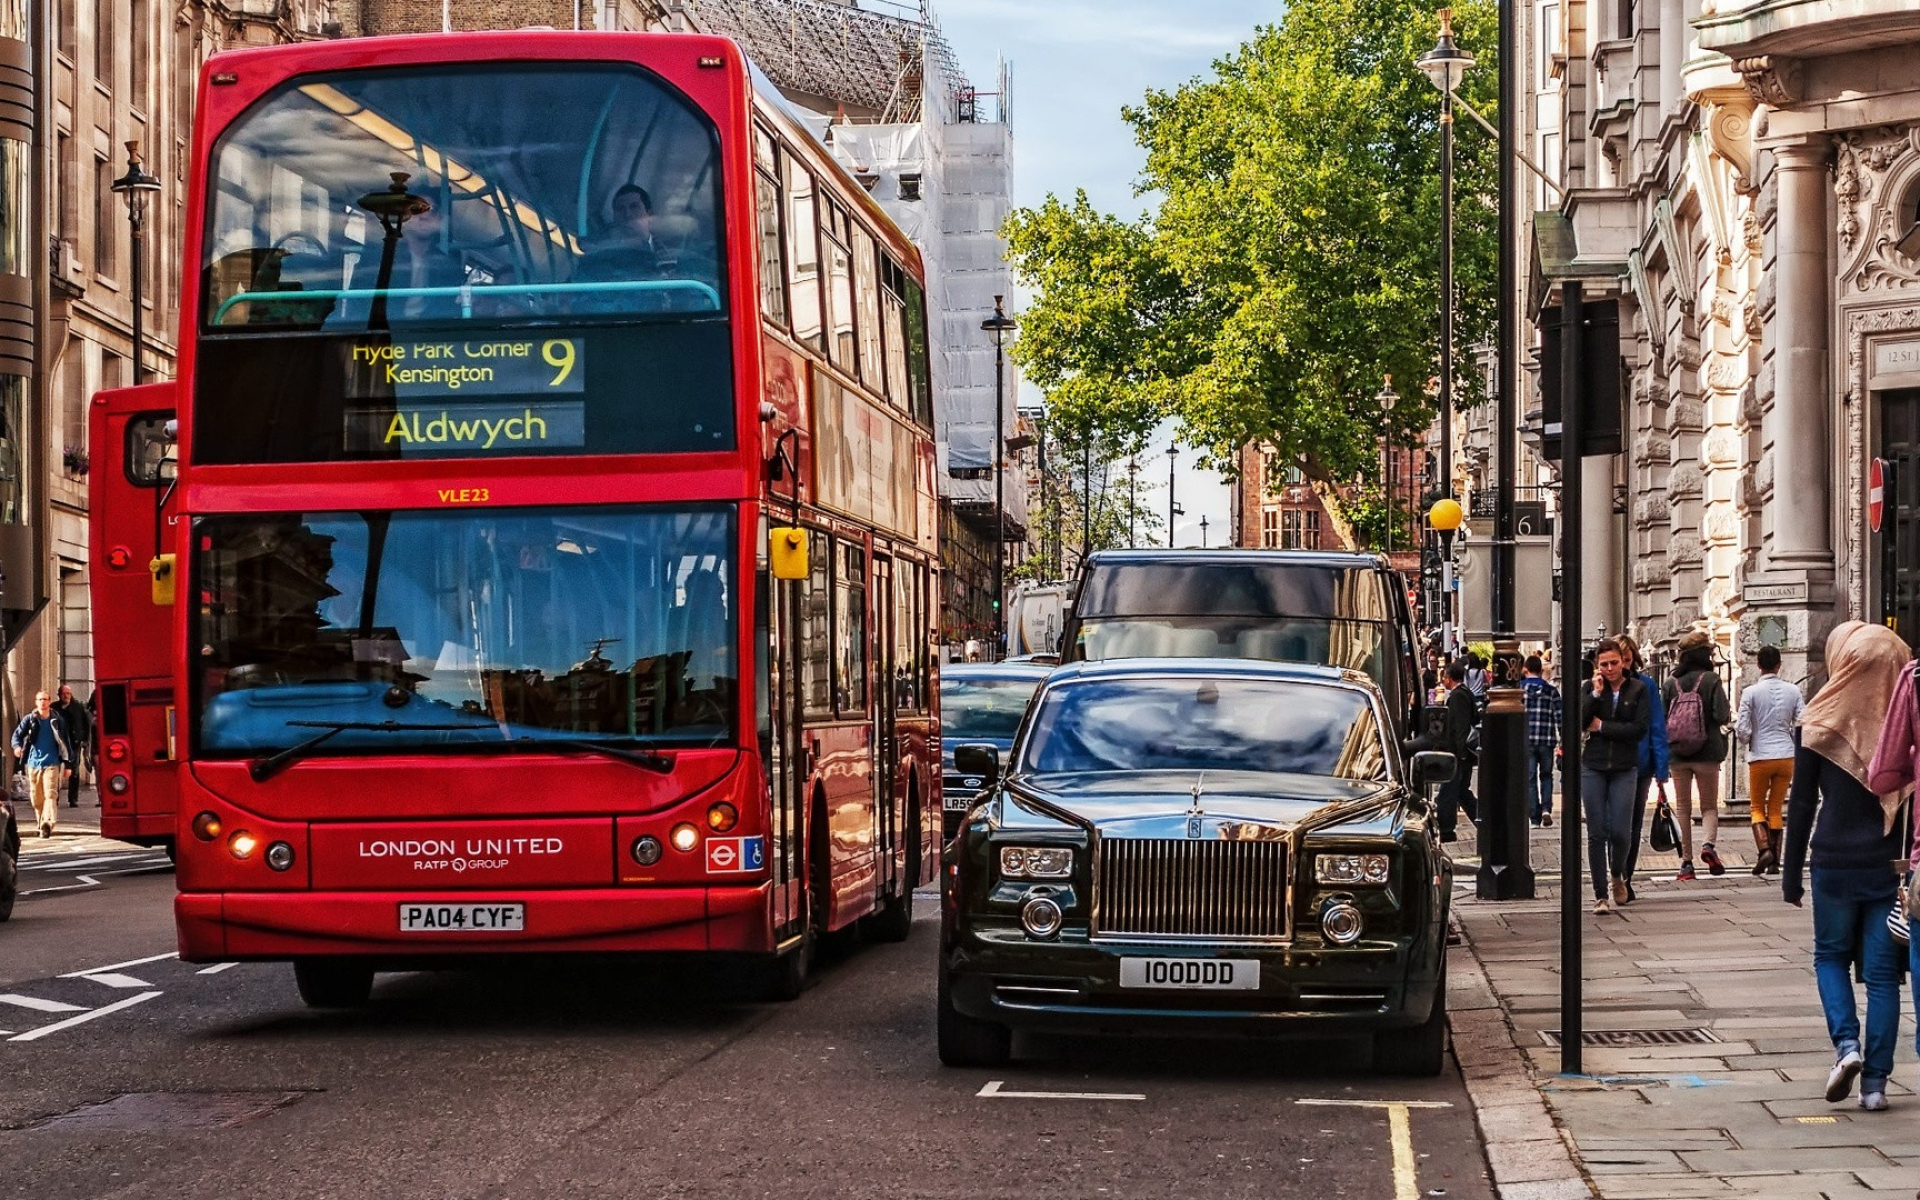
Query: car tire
[(1421, 1050), (965, 1042), (333, 983)]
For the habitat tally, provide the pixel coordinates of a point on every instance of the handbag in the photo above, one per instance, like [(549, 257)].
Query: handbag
[(1663, 836), (1897, 923)]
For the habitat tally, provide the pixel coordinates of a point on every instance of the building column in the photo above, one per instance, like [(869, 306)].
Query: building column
[(1802, 500)]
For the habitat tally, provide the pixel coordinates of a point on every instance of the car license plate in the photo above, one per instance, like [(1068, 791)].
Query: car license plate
[(1206, 974), (463, 918), (957, 803)]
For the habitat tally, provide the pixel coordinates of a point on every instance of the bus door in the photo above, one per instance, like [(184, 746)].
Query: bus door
[(886, 741), (130, 432), (786, 769)]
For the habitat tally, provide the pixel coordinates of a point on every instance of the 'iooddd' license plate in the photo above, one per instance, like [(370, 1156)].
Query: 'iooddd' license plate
[(1211, 974)]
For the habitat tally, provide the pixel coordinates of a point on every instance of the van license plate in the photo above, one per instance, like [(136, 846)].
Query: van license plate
[(463, 918), (1209, 974)]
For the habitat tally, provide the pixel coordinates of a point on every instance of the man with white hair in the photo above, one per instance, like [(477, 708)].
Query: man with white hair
[(41, 739)]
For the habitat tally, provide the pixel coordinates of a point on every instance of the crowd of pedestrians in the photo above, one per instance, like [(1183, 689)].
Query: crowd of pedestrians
[(1830, 781)]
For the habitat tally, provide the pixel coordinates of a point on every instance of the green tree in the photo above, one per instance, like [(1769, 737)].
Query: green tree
[(1291, 260)]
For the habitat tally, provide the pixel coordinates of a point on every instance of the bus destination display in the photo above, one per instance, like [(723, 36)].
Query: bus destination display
[(448, 395)]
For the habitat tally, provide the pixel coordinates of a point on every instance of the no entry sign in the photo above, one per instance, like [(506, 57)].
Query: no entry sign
[(1876, 492)]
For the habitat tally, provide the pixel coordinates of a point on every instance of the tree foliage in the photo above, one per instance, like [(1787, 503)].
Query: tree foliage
[(1292, 259)]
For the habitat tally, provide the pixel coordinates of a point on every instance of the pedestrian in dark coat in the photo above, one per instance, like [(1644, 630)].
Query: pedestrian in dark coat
[(1615, 710), (1699, 766), (1457, 737)]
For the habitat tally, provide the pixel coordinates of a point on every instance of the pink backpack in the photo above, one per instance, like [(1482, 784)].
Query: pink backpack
[(1687, 720)]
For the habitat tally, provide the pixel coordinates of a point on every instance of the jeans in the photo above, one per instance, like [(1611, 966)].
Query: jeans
[(1539, 781), (1606, 797), (1845, 929), (1642, 784), (1456, 794)]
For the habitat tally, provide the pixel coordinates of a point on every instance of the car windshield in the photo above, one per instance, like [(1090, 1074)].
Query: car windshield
[(466, 629), (972, 709), (1363, 646), (1200, 723)]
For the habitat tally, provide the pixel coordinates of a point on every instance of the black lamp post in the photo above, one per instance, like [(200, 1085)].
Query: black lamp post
[(1173, 510), (999, 325), (1446, 64), (137, 188), (1203, 532), (1387, 398)]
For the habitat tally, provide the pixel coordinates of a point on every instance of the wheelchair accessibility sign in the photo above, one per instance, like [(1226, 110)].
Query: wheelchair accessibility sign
[(735, 856)]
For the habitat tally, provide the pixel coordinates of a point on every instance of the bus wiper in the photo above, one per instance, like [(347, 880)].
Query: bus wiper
[(263, 769), (645, 758)]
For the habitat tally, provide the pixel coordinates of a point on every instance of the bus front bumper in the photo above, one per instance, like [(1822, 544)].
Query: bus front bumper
[(241, 926)]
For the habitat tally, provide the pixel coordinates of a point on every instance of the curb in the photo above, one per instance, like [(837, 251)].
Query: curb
[(1528, 1155)]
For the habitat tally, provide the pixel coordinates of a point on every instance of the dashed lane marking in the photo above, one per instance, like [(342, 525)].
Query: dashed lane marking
[(87, 860), (992, 1091), (115, 980), (132, 962), (34, 1035), (38, 1005), (86, 881), (216, 968), (1406, 1178)]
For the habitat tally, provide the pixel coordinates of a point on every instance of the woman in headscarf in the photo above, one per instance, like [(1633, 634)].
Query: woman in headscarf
[(1854, 848)]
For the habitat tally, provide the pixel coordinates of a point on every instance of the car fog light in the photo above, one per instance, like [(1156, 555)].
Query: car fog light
[(685, 838), (1340, 923), (280, 856), (722, 817), (206, 827), (1040, 916), (243, 844), (118, 785), (646, 850)]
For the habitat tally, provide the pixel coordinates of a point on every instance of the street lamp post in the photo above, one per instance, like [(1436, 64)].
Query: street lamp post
[(1444, 519), (1173, 461), (137, 188), (1203, 532), (999, 325), (1387, 398), (1446, 64)]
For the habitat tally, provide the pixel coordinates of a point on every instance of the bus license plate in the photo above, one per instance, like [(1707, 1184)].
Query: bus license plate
[(463, 918), (1212, 974)]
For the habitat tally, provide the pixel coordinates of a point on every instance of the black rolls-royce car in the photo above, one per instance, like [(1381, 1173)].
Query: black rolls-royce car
[(1199, 846)]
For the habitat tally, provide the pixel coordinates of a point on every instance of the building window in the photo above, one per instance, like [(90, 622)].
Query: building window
[(1270, 528), (1300, 529), (108, 217), (103, 41), (140, 18)]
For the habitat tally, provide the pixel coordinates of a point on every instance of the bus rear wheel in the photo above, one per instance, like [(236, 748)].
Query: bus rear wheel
[(333, 983)]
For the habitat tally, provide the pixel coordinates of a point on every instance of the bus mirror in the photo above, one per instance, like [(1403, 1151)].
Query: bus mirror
[(787, 551), (161, 568)]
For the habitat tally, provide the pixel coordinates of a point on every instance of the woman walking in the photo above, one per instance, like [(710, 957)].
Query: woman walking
[(1614, 711), (1653, 755), (1697, 719), (1851, 833), (1891, 775)]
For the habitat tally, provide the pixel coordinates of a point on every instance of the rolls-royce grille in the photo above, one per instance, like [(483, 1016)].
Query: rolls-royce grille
[(1178, 888)]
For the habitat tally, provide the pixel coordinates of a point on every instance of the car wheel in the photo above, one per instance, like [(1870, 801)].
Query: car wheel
[(965, 1042), (1421, 1050), (333, 983)]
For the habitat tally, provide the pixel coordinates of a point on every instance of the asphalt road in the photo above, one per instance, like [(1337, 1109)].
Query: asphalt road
[(129, 1073)]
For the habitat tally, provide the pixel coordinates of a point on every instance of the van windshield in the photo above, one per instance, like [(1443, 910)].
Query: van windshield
[(1365, 646)]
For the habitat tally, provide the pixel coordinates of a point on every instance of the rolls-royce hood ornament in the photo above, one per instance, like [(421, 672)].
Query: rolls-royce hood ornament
[(1194, 812)]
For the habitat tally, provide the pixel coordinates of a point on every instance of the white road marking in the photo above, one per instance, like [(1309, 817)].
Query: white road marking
[(132, 962), (86, 881), (114, 980), (38, 1005), (69, 864), (34, 1035), (1406, 1179), (216, 968), (992, 1089)]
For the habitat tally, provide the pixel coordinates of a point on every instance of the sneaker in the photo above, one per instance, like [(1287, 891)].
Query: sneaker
[(46, 830), (1631, 894), (1686, 874), (1600, 908), (1619, 891), (1711, 857), (1846, 1069), (1546, 818), (1873, 1101)]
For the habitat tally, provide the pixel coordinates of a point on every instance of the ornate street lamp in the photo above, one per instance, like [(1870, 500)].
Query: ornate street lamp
[(1444, 519), (137, 187), (1446, 65), (1386, 398), (999, 325), (1173, 510)]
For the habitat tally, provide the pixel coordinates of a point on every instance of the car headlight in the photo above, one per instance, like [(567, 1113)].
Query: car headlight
[(1350, 868), (1036, 862)]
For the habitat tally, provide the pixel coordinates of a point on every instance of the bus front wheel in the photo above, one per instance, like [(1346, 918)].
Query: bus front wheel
[(333, 983)]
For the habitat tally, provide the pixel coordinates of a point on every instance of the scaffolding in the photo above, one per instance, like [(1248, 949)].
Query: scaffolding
[(870, 63)]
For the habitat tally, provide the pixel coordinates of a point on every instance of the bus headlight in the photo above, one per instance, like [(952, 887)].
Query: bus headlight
[(243, 844), (685, 838), (646, 850), (118, 785)]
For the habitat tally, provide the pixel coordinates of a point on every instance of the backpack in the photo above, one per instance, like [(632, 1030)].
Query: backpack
[(1687, 721)]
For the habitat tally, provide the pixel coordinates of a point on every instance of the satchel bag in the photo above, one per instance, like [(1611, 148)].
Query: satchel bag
[(1663, 836), (1897, 919)]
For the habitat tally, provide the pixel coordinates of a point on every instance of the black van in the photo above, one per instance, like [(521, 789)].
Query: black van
[(1331, 609)]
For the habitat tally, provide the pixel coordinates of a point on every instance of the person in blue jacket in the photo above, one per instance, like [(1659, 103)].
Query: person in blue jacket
[(1653, 759)]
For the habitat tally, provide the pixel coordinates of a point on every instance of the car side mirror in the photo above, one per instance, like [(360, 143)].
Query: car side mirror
[(978, 758), (1431, 767)]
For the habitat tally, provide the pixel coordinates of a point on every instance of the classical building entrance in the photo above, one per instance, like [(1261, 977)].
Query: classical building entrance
[(1896, 548)]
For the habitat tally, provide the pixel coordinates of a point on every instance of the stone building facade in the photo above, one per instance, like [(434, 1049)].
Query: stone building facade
[(1744, 178)]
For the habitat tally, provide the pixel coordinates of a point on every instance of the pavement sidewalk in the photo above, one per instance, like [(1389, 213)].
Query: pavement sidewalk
[(1738, 1113)]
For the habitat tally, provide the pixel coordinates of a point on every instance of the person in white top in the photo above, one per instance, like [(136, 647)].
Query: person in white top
[(1769, 710)]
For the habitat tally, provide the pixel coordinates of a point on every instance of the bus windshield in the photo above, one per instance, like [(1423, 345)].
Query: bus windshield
[(472, 261), (466, 629), (366, 199)]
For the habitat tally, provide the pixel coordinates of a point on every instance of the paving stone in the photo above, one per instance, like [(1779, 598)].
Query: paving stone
[(1521, 1162), (1824, 1158), (1547, 1189)]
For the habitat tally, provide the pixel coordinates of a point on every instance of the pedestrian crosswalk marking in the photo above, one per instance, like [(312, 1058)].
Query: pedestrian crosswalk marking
[(38, 1005)]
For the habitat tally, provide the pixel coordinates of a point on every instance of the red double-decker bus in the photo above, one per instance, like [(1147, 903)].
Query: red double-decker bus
[(554, 533)]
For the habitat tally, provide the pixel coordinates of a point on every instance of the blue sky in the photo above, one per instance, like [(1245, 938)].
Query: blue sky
[(1075, 64)]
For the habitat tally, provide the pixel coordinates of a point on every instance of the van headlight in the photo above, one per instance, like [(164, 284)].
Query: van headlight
[(1035, 862)]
